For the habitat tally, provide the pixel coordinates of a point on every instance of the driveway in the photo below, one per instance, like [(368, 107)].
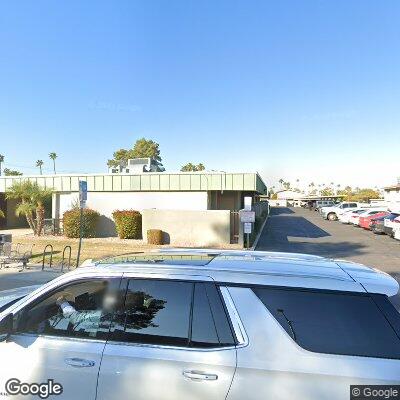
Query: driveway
[(298, 230)]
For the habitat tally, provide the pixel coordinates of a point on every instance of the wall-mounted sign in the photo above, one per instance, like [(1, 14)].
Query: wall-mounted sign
[(247, 227), (247, 216)]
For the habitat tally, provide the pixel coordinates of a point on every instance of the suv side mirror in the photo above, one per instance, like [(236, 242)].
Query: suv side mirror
[(6, 327)]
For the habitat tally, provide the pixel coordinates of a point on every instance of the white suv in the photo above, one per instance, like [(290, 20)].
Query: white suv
[(203, 325), (333, 213)]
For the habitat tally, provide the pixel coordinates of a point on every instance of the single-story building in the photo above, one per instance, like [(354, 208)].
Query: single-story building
[(180, 191), (391, 195)]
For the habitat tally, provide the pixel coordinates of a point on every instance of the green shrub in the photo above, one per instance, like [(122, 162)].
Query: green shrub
[(154, 236), (71, 223), (128, 224)]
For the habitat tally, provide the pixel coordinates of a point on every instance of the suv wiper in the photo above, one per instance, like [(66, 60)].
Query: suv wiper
[(289, 322)]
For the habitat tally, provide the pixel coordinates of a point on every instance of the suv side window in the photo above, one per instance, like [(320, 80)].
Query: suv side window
[(82, 309), (210, 325), (172, 313), (334, 322), (353, 205)]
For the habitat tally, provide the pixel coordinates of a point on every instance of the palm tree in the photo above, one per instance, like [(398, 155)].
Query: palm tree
[(1, 161), (39, 196), (53, 157), (281, 181), (39, 164), (200, 167), (31, 198), (22, 192)]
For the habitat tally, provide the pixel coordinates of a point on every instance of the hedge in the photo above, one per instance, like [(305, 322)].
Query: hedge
[(71, 223), (128, 224), (154, 236)]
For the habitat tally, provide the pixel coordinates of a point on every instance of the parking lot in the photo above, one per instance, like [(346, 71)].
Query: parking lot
[(299, 230)]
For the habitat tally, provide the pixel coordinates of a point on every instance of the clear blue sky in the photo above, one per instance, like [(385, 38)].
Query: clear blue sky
[(293, 89)]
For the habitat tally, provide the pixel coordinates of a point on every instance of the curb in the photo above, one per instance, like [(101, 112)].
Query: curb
[(252, 248)]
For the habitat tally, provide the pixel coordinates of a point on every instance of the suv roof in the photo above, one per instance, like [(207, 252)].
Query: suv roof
[(252, 268)]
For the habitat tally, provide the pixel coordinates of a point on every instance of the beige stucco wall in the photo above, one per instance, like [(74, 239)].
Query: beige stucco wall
[(189, 228), (107, 202)]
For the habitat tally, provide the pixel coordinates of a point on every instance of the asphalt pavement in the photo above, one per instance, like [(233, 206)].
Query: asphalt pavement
[(299, 230)]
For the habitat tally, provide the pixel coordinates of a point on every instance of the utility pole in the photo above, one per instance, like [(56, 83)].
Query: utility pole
[(82, 201)]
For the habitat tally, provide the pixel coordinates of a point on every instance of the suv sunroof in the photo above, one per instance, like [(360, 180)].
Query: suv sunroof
[(173, 259)]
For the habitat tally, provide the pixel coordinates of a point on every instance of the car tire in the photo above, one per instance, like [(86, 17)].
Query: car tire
[(332, 217)]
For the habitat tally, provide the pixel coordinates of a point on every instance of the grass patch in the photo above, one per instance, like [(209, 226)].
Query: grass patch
[(91, 248)]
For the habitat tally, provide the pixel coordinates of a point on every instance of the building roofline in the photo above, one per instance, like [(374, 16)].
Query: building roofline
[(147, 181)]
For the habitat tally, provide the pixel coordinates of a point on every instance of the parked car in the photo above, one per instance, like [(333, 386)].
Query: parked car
[(206, 325), (323, 203), (334, 212), (347, 215), (365, 222), (355, 220), (389, 224), (396, 228), (378, 224)]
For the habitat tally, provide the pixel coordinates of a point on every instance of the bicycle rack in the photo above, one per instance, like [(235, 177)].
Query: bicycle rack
[(63, 258), (44, 255)]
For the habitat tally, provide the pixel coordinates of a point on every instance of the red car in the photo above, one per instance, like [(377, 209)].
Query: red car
[(365, 222)]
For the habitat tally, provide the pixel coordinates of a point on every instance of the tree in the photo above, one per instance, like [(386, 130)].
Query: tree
[(2, 214), (142, 148), (22, 192), (364, 195), (11, 172), (53, 157), (31, 198), (192, 167), (286, 185), (39, 196), (1, 161), (39, 163), (281, 181), (327, 191)]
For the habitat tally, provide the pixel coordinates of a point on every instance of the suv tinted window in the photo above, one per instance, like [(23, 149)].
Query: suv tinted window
[(156, 312), (336, 323), (172, 313), (216, 311), (83, 309)]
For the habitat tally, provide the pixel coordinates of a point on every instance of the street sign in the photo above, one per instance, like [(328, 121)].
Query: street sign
[(247, 227), (247, 203), (82, 191), (247, 216)]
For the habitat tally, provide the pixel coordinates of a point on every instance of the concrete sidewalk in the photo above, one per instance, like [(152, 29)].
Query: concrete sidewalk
[(11, 278)]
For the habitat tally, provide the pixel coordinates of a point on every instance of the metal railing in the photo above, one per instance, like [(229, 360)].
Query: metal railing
[(63, 261), (44, 255), (53, 226)]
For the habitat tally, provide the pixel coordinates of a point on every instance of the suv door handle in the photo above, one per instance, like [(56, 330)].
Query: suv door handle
[(199, 376), (79, 362)]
